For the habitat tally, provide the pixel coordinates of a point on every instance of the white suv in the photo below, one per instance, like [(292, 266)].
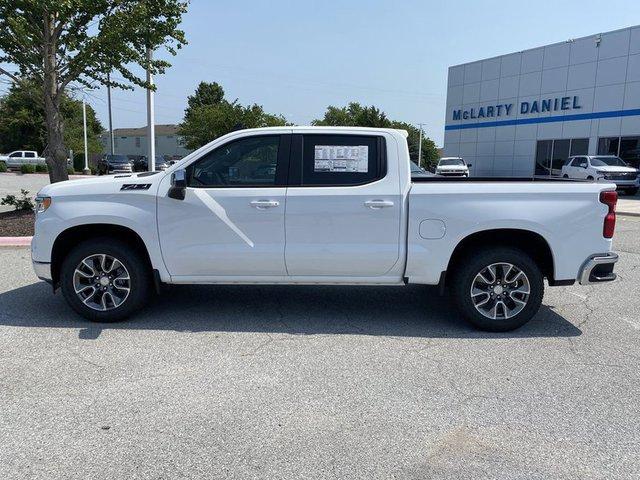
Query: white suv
[(452, 167), (605, 168)]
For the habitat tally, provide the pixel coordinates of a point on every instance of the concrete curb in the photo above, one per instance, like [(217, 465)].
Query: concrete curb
[(15, 241)]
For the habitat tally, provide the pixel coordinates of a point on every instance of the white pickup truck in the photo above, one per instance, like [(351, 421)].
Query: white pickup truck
[(320, 205), (22, 157)]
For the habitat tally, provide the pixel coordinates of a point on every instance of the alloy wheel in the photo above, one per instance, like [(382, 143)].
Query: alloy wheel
[(500, 291), (101, 282)]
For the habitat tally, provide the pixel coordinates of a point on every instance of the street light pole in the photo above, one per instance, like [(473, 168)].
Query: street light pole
[(86, 170), (151, 137), (112, 150)]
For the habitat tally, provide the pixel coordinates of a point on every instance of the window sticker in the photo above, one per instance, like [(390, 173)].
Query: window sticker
[(341, 158)]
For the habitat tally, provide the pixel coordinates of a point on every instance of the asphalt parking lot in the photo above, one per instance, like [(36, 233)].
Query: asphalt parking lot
[(320, 382)]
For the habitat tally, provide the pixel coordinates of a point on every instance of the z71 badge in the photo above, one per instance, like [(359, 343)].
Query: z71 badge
[(135, 186)]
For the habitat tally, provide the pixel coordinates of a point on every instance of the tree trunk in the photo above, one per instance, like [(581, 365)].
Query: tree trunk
[(54, 152)]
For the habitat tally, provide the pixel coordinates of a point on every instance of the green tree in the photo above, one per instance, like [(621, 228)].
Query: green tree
[(22, 125), (355, 115), (209, 116), (430, 152), (57, 42), (206, 94)]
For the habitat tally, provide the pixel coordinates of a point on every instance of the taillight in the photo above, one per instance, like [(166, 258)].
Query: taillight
[(609, 199)]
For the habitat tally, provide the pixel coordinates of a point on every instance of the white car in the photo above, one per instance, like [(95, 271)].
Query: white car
[(452, 167), (607, 168), (344, 200)]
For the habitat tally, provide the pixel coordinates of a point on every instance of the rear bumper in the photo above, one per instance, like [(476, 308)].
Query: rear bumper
[(598, 268), (43, 271)]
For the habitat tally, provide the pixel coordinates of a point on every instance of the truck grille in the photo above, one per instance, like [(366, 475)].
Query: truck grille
[(621, 176)]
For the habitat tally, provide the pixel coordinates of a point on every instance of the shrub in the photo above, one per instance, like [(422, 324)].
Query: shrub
[(70, 171), (23, 203), (3, 167), (27, 168), (41, 168)]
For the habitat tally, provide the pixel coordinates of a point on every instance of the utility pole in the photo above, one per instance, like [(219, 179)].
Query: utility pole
[(86, 170), (112, 150), (151, 136)]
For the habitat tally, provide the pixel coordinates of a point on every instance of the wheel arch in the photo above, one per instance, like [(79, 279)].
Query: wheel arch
[(534, 244), (73, 236)]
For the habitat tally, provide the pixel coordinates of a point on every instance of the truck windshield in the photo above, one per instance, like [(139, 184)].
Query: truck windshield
[(608, 162), (451, 161)]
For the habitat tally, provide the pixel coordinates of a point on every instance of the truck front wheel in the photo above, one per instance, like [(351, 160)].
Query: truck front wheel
[(498, 289), (105, 280)]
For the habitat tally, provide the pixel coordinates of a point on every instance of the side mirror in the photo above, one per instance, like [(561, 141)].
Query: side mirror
[(178, 185), (469, 165)]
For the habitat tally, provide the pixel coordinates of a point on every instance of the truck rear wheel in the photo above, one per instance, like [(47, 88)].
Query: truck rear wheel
[(498, 289), (105, 280)]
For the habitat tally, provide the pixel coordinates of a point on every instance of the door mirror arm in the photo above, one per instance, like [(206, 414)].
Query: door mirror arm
[(178, 185)]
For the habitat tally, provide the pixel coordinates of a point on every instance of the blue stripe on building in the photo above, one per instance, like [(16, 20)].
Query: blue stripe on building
[(555, 118)]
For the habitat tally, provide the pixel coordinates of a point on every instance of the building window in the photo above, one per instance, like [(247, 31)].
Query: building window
[(543, 156), (137, 142), (608, 146), (551, 155), (627, 148), (579, 146)]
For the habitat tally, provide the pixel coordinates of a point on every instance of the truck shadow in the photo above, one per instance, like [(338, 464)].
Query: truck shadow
[(413, 311)]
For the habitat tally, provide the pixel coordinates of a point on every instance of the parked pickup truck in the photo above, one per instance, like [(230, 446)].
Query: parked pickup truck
[(321, 205), (22, 157)]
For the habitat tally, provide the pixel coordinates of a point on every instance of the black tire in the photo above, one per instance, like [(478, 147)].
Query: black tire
[(565, 176), (632, 191), (140, 275), (589, 177), (469, 267)]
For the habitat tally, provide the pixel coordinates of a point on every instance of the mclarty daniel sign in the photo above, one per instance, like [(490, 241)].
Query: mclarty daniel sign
[(524, 108)]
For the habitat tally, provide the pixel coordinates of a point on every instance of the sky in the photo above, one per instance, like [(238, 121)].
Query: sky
[(297, 57)]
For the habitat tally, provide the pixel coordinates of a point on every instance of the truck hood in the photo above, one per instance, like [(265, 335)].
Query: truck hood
[(613, 168), (97, 185), (452, 167)]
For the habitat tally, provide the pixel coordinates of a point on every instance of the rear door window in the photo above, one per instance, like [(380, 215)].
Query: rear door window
[(337, 160)]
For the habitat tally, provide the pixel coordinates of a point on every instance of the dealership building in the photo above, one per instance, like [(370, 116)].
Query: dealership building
[(525, 113)]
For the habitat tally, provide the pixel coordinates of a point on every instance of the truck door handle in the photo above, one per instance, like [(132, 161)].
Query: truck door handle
[(378, 204), (264, 204)]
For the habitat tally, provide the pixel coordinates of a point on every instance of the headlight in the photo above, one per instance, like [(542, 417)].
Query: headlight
[(42, 203)]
